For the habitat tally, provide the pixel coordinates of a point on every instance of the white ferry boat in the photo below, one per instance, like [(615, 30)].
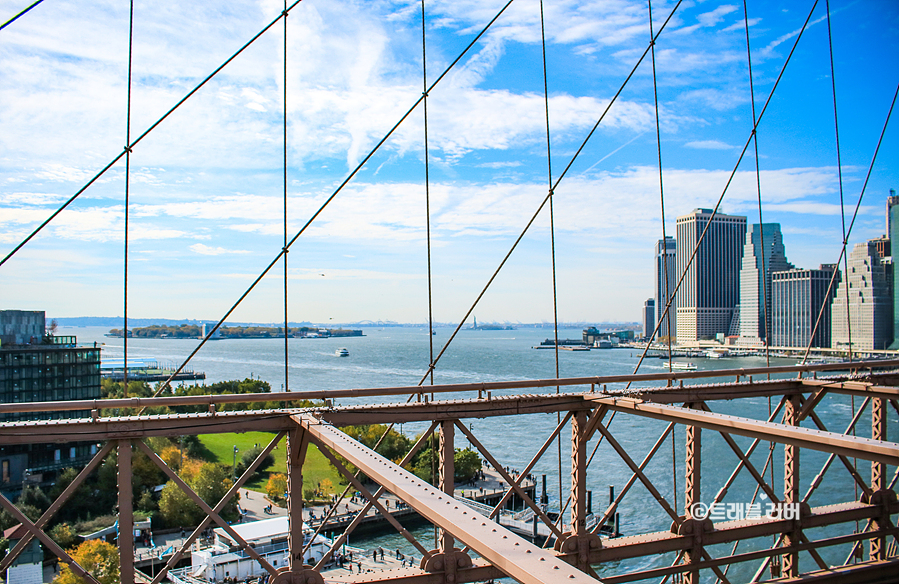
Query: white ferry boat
[(683, 366), (223, 559), (342, 352)]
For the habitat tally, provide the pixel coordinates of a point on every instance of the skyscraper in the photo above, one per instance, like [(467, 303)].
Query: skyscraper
[(797, 297), (763, 253), (649, 320), (893, 234), (711, 287), (665, 258), (870, 301)]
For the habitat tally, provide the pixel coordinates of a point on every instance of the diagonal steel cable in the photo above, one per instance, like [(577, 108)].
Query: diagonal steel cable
[(851, 225), (548, 197), (19, 15), (146, 132), (730, 179), (321, 208)]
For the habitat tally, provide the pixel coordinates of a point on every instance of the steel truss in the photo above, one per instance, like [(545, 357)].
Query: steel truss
[(488, 550)]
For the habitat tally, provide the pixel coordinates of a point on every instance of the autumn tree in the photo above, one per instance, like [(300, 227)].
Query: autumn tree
[(98, 558)]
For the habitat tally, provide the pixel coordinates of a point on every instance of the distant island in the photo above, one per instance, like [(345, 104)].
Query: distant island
[(491, 327), (193, 331)]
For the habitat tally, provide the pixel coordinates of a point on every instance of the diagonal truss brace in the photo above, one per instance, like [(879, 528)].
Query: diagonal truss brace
[(513, 555), (853, 446), (45, 539), (513, 484), (60, 501), (211, 514)]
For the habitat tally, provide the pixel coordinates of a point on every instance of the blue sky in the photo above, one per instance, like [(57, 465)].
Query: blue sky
[(206, 208)]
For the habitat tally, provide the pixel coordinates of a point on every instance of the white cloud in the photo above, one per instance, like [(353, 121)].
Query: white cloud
[(709, 145), (214, 251)]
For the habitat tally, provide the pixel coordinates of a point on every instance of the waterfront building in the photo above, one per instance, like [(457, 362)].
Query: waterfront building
[(763, 254), (797, 298), (893, 235), (649, 316), (35, 367), (665, 280), (863, 305), (710, 291)]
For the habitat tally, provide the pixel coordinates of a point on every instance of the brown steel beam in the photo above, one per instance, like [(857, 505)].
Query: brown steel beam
[(59, 502), (144, 402), (138, 428), (853, 388), (126, 512), (790, 560), (513, 555), (297, 444), (859, 447), (513, 484)]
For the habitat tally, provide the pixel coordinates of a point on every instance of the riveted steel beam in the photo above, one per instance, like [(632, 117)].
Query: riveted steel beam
[(855, 446), (513, 555)]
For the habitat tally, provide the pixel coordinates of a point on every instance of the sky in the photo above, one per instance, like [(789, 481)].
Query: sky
[(206, 185)]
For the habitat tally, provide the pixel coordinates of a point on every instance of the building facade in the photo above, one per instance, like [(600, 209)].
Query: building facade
[(43, 368), (797, 298), (893, 235), (649, 317), (665, 281), (710, 290), (763, 254), (862, 309)]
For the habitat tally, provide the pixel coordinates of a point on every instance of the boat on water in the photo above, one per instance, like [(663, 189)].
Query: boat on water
[(342, 352), (222, 558), (683, 366)]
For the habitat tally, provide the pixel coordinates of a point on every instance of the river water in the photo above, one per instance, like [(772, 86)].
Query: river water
[(398, 356)]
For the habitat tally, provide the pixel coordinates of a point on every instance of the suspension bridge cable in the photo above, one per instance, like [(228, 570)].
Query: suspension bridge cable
[(758, 186), (655, 95), (836, 126), (730, 178), (552, 233), (547, 197), (758, 190), (155, 124), (852, 222), (424, 78), (19, 15), (330, 198), (127, 195), (286, 321)]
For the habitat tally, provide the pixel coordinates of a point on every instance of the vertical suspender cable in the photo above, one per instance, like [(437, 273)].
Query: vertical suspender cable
[(758, 185), (424, 78), (552, 237), (655, 94), (836, 126), (127, 194), (424, 95), (286, 326)]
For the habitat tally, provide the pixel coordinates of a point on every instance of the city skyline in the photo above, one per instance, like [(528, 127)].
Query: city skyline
[(206, 184)]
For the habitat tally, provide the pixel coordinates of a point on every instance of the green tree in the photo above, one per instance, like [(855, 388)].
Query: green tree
[(64, 535), (247, 458), (466, 462), (211, 483), (98, 558), (33, 496)]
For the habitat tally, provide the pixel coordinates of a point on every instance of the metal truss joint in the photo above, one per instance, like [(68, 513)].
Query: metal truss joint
[(448, 563), (578, 547), (305, 576)]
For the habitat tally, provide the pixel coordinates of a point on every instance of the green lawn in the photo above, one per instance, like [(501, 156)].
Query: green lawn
[(315, 469)]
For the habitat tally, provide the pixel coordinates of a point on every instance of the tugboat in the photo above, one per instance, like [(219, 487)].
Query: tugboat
[(342, 352)]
